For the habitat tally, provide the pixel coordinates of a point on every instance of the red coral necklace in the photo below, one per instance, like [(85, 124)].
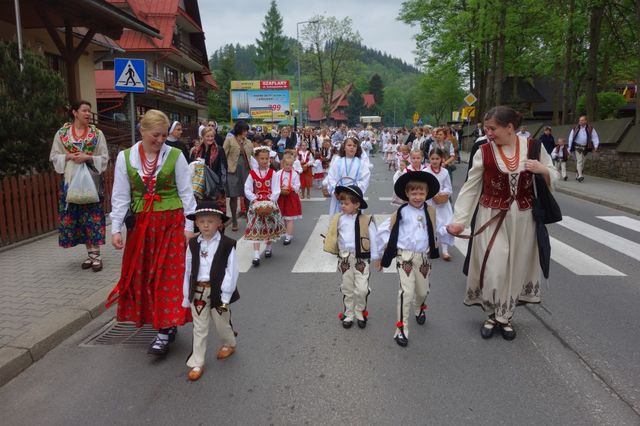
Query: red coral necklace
[(148, 167)]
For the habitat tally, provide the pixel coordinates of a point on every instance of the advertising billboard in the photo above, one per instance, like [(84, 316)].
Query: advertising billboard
[(261, 100)]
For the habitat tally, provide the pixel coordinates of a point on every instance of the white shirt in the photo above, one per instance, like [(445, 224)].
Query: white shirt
[(413, 234), (284, 176), (317, 166), (524, 134), (275, 186), (581, 137), (231, 271), (121, 195), (347, 235)]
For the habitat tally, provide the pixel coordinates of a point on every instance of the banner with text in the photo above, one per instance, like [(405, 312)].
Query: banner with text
[(263, 100)]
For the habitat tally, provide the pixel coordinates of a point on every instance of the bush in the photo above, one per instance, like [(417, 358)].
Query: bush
[(31, 110), (609, 103)]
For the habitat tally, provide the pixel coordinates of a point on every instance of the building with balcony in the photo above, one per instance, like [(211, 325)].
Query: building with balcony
[(178, 75)]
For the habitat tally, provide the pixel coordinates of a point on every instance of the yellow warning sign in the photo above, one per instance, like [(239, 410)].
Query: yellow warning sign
[(468, 112)]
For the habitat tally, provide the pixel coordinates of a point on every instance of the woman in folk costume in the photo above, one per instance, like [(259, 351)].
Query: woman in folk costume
[(504, 265), (326, 153), (444, 211), (152, 180), (264, 221), (210, 155), (289, 201), (306, 162), (347, 168), (75, 144), (308, 136)]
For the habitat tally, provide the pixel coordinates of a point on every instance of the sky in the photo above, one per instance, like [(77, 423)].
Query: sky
[(241, 21)]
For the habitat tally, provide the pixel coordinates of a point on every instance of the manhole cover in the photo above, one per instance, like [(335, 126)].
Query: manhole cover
[(121, 333)]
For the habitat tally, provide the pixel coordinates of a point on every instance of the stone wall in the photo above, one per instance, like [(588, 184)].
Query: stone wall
[(609, 163)]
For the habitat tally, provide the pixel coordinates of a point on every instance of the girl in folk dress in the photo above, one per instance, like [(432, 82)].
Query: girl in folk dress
[(403, 154), (390, 149), (306, 162), (326, 152), (395, 200), (318, 171), (347, 169), (504, 268), (289, 201), (264, 221), (444, 212)]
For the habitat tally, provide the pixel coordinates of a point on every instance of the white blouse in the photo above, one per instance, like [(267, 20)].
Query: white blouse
[(121, 195), (284, 175), (231, 271)]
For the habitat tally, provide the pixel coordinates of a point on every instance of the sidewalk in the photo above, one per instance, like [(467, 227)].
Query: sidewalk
[(45, 297), (607, 192)]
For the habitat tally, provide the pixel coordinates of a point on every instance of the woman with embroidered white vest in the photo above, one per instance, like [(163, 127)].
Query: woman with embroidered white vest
[(504, 265), (347, 168), (75, 144), (153, 181)]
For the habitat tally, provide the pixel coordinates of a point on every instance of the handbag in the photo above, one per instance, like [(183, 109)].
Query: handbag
[(212, 184), (548, 210)]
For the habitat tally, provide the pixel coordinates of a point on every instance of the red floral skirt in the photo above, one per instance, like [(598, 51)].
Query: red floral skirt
[(150, 287), (290, 206)]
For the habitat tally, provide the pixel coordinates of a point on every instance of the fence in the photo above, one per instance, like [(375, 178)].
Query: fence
[(29, 204)]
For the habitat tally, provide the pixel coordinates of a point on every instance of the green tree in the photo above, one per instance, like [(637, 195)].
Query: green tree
[(376, 88), (271, 51), (439, 93), (332, 46), (356, 106), (219, 100), (31, 110)]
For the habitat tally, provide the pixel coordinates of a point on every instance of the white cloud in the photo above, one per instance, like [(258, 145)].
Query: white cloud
[(375, 20)]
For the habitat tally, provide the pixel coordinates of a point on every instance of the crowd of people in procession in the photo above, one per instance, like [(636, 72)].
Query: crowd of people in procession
[(176, 201)]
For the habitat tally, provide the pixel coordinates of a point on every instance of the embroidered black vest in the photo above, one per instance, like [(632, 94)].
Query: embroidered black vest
[(218, 266), (391, 251)]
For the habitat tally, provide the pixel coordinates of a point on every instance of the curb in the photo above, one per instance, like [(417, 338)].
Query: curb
[(603, 202), (48, 333)]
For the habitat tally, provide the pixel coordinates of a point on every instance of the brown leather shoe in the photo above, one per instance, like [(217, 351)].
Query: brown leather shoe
[(96, 265), (446, 257), (87, 263), (195, 373), (226, 352)]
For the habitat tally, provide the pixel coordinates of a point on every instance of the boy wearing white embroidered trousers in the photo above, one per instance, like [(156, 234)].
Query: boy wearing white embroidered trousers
[(410, 240), (352, 237), (210, 278)]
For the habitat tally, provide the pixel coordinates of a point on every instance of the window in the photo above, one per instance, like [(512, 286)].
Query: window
[(174, 116), (107, 65), (171, 76)]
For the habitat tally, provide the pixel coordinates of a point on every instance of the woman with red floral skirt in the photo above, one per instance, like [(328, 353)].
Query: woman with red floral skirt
[(153, 181)]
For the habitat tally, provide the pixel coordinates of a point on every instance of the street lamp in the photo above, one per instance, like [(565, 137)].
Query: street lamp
[(299, 52)]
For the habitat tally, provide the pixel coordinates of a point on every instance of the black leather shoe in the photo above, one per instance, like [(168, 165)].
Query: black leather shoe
[(172, 332), (488, 328), (286, 241), (159, 347), (362, 323), (255, 262), (421, 318), (268, 253), (508, 332), (401, 340), (347, 323)]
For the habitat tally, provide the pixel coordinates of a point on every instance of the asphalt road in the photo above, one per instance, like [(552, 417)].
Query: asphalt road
[(576, 359)]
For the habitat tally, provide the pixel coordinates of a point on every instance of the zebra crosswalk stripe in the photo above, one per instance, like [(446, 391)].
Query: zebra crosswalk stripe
[(613, 241), (623, 221)]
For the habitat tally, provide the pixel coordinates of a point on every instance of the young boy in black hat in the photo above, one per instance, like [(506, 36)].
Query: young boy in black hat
[(352, 237), (410, 240), (210, 278)]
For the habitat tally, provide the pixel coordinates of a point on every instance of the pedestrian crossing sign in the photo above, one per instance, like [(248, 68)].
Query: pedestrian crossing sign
[(130, 75)]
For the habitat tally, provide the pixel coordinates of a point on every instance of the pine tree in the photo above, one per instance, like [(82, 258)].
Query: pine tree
[(376, 88), (219, 100), (31, 106), (355, 108), (272, 54)]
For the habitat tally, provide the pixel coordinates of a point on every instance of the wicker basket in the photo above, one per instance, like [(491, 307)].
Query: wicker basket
[(264, 208), (441, 198), (284, 191), (325, 192)]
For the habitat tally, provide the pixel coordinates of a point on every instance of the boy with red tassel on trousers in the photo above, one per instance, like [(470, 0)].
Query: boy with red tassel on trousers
[(352, 237), (410, 240)]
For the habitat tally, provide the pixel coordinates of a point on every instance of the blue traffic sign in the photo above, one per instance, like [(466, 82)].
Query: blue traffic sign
[(130, 75), (420, 122)]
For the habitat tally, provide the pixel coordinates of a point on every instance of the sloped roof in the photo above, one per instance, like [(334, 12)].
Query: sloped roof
[(369, 100), (524, 91), (340, 100), (631, 141)]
